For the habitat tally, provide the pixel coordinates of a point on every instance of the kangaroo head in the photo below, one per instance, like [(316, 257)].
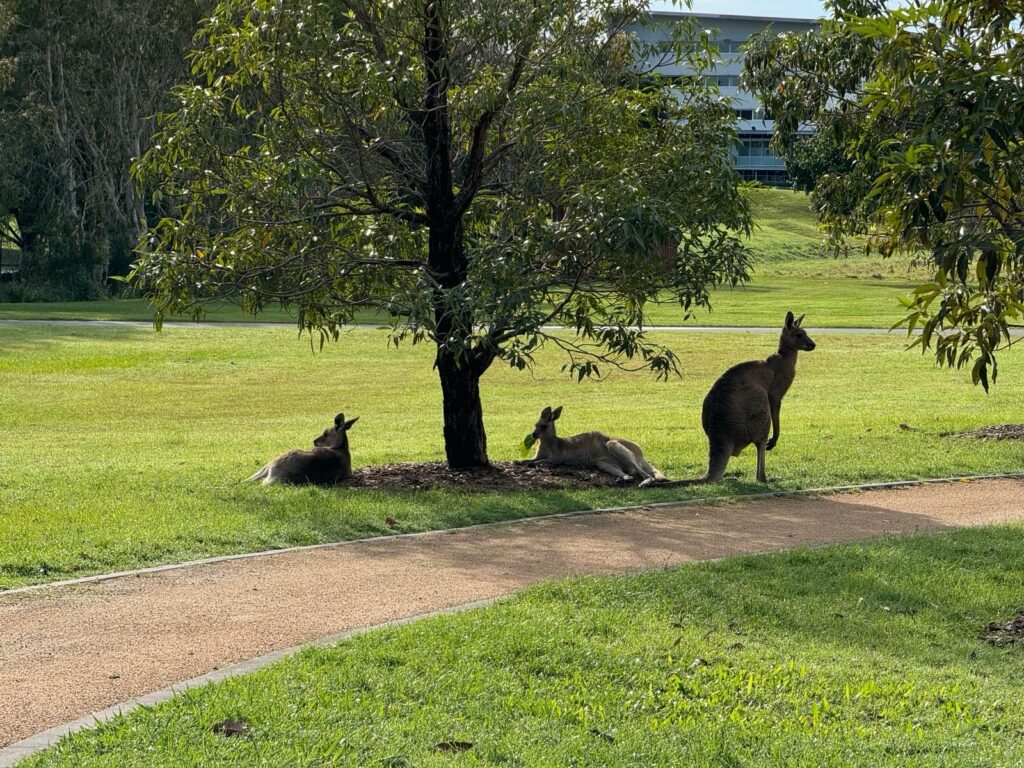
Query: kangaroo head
[(793, 336), (336, 437), (544, 429)]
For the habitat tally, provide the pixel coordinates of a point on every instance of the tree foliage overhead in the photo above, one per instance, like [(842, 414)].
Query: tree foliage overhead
[(926, 102), (80, 84), (478, 170)]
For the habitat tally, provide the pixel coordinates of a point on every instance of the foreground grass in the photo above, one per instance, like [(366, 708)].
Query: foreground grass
[(856, 655), (791, 270), (123, 447)]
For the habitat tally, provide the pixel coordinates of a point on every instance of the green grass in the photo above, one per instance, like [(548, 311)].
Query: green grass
[(792, 271), (123, 447), (858, 655), (127, 309)]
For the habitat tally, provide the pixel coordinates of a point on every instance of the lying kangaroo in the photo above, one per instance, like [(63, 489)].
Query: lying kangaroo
[(620, 458), (326, 464), (744, 403)]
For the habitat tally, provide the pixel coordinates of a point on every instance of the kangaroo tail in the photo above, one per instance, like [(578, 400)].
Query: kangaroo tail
[(675, 483), (261, 473)]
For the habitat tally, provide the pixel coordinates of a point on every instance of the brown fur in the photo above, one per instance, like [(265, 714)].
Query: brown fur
[(328, 462), (591, 450), (743, 405)]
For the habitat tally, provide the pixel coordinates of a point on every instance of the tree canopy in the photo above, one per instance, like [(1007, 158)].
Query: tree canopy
[(478, 171), (926, 103)]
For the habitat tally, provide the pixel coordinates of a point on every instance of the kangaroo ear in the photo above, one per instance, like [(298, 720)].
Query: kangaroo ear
[(800, 320), (789, 319), (348, 424), (546, 413), (556, 413), (339, 420)]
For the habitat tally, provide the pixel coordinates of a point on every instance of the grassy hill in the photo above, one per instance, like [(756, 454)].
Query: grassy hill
[(792, 270)]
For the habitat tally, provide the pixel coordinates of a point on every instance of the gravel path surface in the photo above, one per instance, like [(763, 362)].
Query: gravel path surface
[(68, 651)]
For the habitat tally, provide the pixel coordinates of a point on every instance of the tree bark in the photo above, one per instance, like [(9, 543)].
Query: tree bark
[(465, 440), (458, 367)]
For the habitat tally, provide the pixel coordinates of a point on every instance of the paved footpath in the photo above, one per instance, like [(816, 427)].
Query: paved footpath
[(67, 651)]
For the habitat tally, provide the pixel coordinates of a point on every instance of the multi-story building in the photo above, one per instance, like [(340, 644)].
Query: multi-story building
[(754, 158)]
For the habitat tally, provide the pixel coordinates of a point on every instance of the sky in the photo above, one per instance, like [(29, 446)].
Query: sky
[(810, 9)]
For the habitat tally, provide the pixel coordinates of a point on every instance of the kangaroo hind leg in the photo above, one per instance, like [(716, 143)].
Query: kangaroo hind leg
[(631, 455), (624, 455), (718, 459), (613, 469)]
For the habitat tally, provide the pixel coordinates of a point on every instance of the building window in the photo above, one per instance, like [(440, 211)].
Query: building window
[(723, 81), (755, 148), (753, 114), (729, 46), (774, 176)]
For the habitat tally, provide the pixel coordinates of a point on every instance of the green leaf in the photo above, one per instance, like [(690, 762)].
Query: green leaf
[(526, 445)]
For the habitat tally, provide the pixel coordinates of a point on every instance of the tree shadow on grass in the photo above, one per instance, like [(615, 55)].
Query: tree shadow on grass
[(341, 512)]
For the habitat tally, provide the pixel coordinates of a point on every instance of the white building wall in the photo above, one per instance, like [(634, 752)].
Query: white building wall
[(755, 160)]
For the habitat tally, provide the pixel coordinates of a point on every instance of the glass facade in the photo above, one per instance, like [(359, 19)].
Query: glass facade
[(753, 156)]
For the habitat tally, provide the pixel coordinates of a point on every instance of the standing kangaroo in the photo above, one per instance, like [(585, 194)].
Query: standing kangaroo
[(326, 464), (620, 458), (744, 403)]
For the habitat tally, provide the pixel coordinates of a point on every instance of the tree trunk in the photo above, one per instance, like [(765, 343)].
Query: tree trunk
[(465, 441)]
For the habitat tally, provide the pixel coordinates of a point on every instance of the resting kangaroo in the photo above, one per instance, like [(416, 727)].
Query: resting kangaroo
[(744, 403), (621, 458), (326, 464)]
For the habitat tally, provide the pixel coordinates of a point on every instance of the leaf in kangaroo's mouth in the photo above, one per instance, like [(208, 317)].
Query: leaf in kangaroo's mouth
[(527, 444)]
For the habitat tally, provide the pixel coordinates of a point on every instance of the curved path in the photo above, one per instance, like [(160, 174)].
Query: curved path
[(73, 649)]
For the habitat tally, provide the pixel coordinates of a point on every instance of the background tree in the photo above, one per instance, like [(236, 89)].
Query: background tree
[(926, 102), (811, 159), (478, 170), (80, 84)]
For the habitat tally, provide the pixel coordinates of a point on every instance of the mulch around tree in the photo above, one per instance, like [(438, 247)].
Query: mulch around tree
[(1002, 633), (500, 476), (996, 432)]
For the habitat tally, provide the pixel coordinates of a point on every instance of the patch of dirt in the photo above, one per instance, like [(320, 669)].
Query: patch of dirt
[(997, 432), (1002, 633), (500, 476)]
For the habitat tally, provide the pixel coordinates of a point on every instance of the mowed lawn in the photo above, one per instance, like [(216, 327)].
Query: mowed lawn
[(124, 447), (860, 655), (791, 271)]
